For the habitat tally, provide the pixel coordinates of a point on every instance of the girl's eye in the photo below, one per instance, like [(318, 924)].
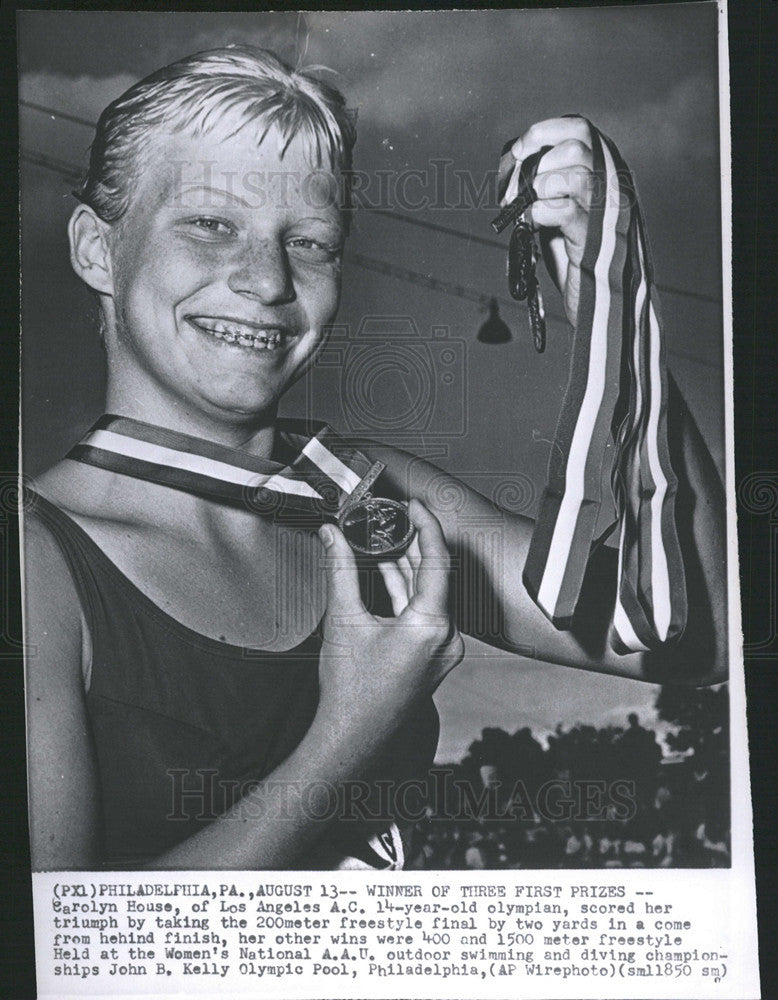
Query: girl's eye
[(312, 250), (210, 227)]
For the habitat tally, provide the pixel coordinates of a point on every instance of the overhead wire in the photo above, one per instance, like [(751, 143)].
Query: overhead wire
[(495, 244), (55, 113), (66, 170), (402, 217), (368, 263)]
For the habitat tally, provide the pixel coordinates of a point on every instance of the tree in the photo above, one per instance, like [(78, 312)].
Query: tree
[(701, 716)]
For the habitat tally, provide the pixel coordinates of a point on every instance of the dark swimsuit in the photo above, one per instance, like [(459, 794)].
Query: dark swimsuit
[(183, 724)]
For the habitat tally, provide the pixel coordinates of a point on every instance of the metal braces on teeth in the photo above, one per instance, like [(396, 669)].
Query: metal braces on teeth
[(233, 334)]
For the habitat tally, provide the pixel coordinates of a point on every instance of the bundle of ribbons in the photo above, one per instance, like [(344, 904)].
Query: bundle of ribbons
[(613, 421)]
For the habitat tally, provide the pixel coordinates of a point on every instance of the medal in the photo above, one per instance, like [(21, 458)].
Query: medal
[(375, 526)]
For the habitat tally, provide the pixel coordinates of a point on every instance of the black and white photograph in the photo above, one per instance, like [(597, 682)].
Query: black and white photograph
[(376, 449)]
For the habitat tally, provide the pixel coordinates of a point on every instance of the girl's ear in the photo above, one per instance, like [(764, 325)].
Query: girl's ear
[(90, 252)]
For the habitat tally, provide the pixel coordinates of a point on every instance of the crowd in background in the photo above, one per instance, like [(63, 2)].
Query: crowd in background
[(613, 797)]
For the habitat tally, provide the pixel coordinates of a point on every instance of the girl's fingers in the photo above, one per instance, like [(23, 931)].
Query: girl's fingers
[(404, 565), (572, 182), (569, 139), (343, 595), (396, 584), (550, 132), (413, 555), (568, 153), (431, 596), (555, 256)]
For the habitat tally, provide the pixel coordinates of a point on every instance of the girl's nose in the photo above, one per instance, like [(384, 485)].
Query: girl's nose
[(263, 274)]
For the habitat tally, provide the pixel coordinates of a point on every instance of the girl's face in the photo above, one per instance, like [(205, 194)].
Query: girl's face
[(226, 270)]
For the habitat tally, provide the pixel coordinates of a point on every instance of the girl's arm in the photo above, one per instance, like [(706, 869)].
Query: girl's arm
[(489, 548)]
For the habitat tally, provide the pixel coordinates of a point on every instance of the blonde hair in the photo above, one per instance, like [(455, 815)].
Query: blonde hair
[(193, 95)]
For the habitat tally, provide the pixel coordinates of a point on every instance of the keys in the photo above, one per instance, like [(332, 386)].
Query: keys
[(521, 261), (523, 281), (537, 314), (523, 252)]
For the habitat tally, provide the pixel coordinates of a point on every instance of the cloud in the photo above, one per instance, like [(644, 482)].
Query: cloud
[(682, 124), (498, 689), (647, 77)]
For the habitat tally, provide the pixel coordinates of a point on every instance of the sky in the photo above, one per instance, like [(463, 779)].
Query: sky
[(454, 84), (427, 86)]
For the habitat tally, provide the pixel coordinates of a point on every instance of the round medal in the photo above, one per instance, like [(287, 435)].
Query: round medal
[(378, 527)]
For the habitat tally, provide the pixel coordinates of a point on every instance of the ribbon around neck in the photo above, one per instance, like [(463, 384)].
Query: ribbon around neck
[(322, 476)]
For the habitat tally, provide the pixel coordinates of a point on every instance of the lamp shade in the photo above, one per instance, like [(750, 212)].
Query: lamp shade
[(494, 330)]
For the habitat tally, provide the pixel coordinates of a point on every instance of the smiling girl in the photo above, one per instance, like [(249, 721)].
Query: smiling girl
[(197, 699)]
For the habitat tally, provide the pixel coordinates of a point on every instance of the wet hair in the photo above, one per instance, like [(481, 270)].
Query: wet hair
[(207, 92)]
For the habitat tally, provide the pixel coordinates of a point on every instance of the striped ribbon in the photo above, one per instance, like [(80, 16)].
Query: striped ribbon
[(325, 471), (613, 421)]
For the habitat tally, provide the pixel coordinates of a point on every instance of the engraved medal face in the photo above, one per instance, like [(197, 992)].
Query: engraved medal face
[(377, 527)]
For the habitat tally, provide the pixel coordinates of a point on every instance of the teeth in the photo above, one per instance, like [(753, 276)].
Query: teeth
[(238, 333)]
